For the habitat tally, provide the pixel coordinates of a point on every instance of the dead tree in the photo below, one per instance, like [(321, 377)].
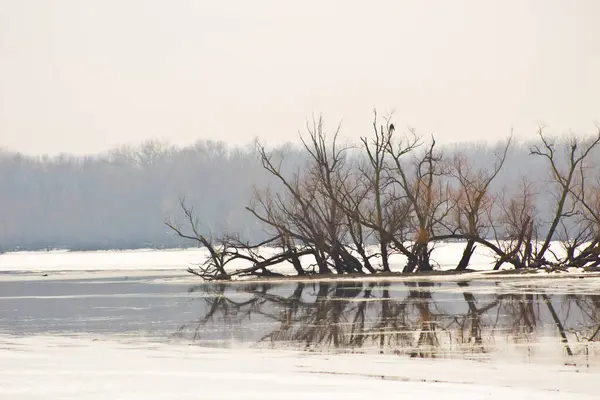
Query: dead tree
[(327, 174), (308, 211), (582, 247), (514, 226), (472, 200), (423, 183), (370, 200), (404, 194), (563, 181), (386, 211), (214, 267), (377, 182), (359, 234), (292, 214), (224, 250)]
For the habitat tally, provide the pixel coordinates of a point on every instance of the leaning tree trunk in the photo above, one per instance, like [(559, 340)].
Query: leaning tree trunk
[(466, 256), (410, 265), (351, 263), (295, 260), (334, 253)]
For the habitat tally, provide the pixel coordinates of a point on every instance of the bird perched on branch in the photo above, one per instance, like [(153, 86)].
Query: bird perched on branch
[(392, 128)]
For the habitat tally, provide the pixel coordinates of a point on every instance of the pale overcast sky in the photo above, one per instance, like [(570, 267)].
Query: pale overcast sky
[(82, 76)]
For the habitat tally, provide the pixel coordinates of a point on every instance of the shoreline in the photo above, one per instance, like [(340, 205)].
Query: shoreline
[(181, 276)]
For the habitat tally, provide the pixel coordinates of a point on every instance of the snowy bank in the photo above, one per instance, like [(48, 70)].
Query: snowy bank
[(48, 367)]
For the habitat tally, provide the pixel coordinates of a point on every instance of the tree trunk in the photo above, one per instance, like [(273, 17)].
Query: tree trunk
[(423, 256), (385, 256), (410, 265), (321, 263), (296, 263), (424, 264), (466, 257), (350, 262)]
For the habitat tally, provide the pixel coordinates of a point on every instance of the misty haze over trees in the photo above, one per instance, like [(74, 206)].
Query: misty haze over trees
[(121, 199)]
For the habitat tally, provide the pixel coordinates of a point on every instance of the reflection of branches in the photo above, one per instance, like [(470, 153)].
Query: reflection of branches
[(522, 316), (474, 318), (356, 315), (223, 308), (589, 307), (559, 324)]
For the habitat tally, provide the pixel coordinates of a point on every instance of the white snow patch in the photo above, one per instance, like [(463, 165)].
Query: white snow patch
[(146, 259), (49, 367), (171, 265)]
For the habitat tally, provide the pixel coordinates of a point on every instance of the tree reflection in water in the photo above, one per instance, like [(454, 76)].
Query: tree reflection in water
[(448, 320)]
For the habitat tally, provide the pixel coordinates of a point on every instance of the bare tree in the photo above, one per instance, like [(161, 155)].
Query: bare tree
[(582, 246), (404, 195), (515, 229), (563, 179), (224, 250), (373, 200), (472, 200), (214, 266), (422, 181), (308, 211)]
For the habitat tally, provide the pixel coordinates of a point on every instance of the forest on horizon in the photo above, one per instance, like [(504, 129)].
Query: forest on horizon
[(120, 199)]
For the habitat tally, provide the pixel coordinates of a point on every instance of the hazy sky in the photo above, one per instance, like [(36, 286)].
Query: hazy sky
[(82, 76)]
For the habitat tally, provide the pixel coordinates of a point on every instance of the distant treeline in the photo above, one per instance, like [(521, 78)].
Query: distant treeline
[(121, 199)]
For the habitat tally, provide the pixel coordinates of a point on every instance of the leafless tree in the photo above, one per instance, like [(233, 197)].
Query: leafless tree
[(420, 177), (224, 250), (515, 227), (567, 186), (472, 200), (374, 200), (308, 210), (400, 192), (214, 266)]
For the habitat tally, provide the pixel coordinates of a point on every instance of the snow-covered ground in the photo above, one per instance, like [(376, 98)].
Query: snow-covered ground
[(173, 263), (445, 256), (121, 260), (71, 368)]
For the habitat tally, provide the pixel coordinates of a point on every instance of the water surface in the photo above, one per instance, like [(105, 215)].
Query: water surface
[(486, 321)]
